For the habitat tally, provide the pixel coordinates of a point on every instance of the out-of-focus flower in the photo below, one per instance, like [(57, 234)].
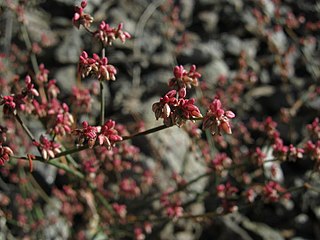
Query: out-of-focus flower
[(5, 153)]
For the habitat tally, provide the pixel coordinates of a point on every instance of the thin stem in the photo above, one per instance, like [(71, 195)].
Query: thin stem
[(102, 101), (102, 94), (151, 130), (25, 128), (27, 40), (66, 168), (101, 198)]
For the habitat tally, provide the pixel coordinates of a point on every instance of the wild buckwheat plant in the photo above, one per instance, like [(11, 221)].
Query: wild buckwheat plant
[(184, 120)]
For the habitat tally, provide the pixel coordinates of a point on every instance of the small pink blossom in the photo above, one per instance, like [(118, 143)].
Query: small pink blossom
[(5, 153), (107, 34), (81, 18), (175, 111), (272, 192), (48, 149), (184, 79), (218, 119), (96, 66), (42, 76)]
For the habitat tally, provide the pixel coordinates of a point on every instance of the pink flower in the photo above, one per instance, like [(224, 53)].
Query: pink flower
[(8, 103), (107, 34), (5, 153), (42, 76), (30, 90), (175, 111), (81, 99), (184, 79), (81, 18), (129, 188), (87, 133), (63, 122), (108, 134), (48, 148), (272, 192), (96, 66), (217, 119)]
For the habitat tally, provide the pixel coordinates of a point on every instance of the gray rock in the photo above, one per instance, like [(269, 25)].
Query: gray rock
[(69, 50), (187, 7), (209, 20), (213, 70), (232, 43), (65, 77)]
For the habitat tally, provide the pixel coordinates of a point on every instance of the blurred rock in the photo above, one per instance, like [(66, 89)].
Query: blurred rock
[(213, 70), (65, 77), (209, 20), (70, 48)]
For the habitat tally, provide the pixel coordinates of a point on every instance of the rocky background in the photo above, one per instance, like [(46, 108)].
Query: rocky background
[(213, 35)]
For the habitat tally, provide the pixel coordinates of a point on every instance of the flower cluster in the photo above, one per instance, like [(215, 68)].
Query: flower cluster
[(20, 100), (63, 122), (107, 34), (227, 192), (81, 18), (184, 79), (96, 66), (129, 188), (272, 192), (172, 203), (81, 99), (5, 153), (175, 111), (105, 135), (48, 149), (313, 150), (217, 119)]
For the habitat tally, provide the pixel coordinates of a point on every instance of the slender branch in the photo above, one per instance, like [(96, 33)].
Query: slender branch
[(102, 94), (25, 128), (152, 130), (27, 40), (102, 102)]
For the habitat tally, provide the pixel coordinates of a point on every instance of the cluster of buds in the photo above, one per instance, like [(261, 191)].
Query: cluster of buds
[(5, 153), (120, 209), (314, 128), (172, 203), (96, 66), (42, 76), (105, 135), (63, 122), (273, 192), (220, 163), (19, 101), (48, 148), (184, 79), (107, 34), (80, 17), (129, 188), (81, 99), (284, 153), (258, 156), (313, 150), (175, 111), (227, 193), (217, 119)]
